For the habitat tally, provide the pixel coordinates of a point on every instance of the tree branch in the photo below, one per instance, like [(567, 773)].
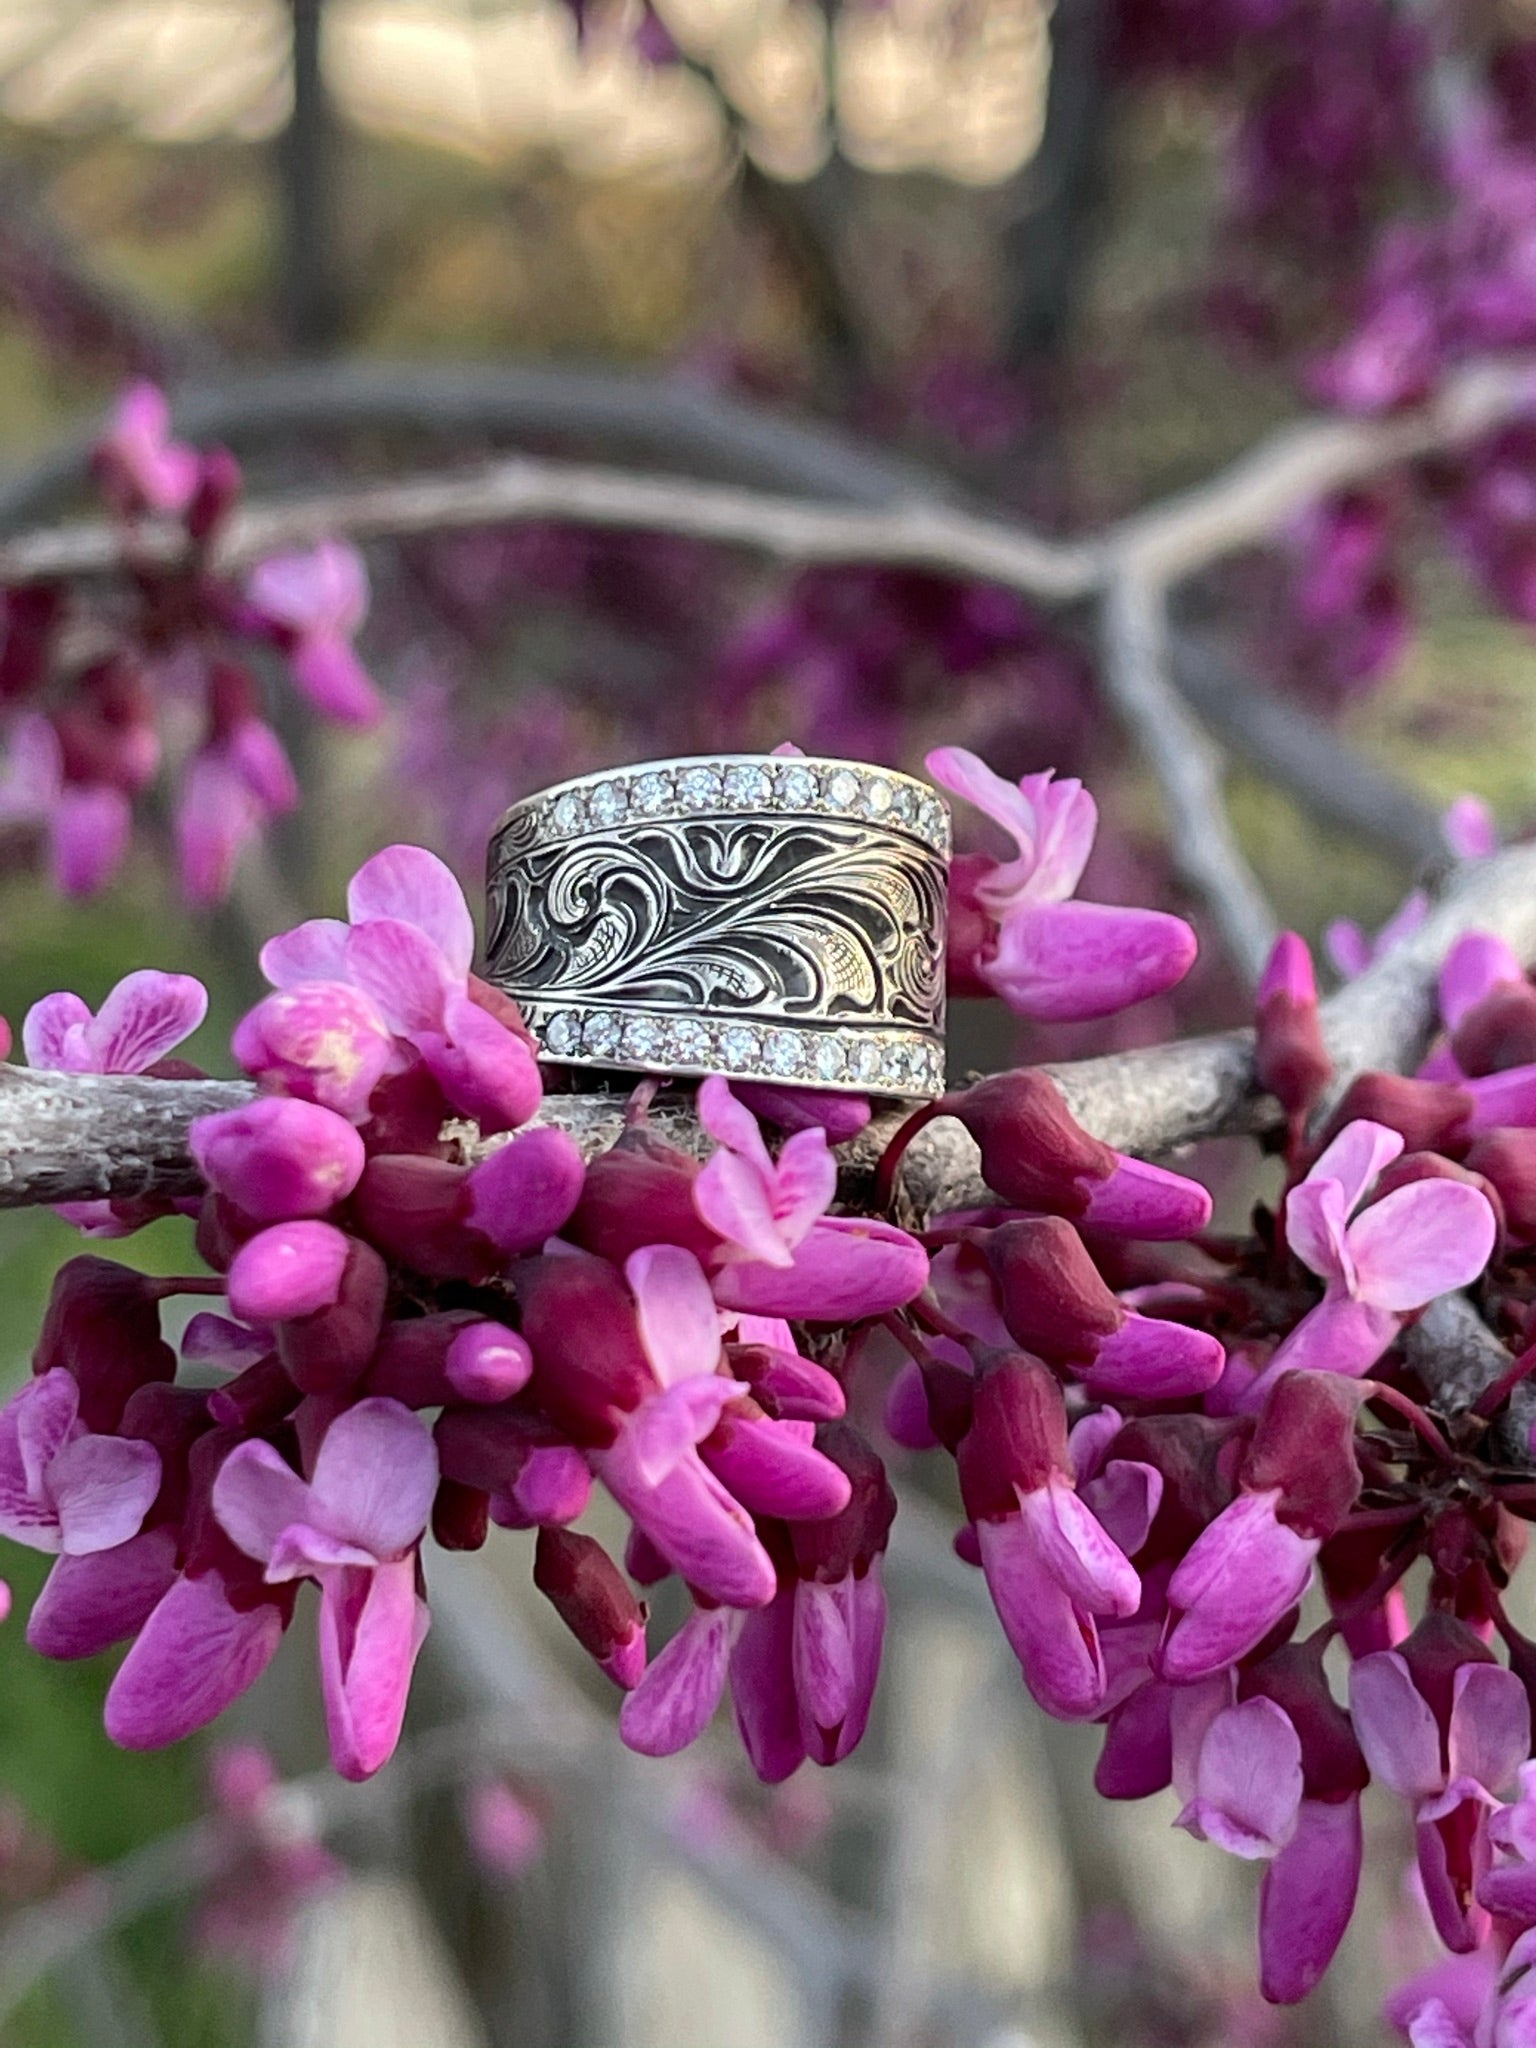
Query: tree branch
[(1186, 767), (68, 1137)]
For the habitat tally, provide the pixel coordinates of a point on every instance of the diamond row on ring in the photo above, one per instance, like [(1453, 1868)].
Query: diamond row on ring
[(883, 1062), (725, 788)]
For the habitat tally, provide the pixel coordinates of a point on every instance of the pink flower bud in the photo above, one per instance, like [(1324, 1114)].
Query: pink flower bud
[(293, 1269), (322, 1041), (279, 1157)]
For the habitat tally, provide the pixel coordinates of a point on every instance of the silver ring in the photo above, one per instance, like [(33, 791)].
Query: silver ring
[(767, 917)]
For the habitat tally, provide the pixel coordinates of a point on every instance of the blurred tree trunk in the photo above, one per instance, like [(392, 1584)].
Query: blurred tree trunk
[(310, 300)]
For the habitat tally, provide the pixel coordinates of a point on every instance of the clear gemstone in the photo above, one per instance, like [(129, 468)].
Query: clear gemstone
[(745, 785), (562, 1034), (608, 803), (930, 819), (797, 785), (903, 803), (699, 787), (829, 1060), (644, 1039), (878, 796), (650, 793), (689, 1043), (569, 814), (867, 1059), (740, 1047), (600, 1040), (784, 1054), (843, 788), (897, 1072)]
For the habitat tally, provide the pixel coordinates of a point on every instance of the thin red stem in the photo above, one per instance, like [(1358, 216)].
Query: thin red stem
[(1413, 1413), (1493, 1397), (891, 1157)]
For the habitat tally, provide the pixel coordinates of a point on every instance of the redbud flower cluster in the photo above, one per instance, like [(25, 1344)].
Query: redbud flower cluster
[(96, 704), (438, 1316)]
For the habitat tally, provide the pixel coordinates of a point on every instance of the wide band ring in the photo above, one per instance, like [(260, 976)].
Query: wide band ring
[(767, 917)]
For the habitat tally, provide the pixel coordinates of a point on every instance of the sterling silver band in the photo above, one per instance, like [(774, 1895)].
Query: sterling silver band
[(767, 917)]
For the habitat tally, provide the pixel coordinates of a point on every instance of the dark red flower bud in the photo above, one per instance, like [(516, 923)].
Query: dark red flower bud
[(589, 1368), (640, 1192), (1054, 1299), (1435, 1652), (256, 1399), (29, 617), (1431, 1115), (204, 1545), (329, 1351), (406, 1114), (1033, 1154), (589, 1593), (172, 1419), (498, 1004), (1505, 1160), (848, 1542), (461, 1515), (488, 1447), (1305, 1445), (1017, 1438), (416, 1210), (233, 698), (1332, 1765), (219, 485), (1199, 1457), (1290, 1058), (103, 1325), (951, 1392), (1499, 1032)]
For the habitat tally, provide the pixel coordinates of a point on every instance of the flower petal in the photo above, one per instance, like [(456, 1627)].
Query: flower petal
[(732, 1124), (843, 1270), (313, 951), (371, 1628), (1307, 1898), (411, 886), (89, 1603), (256, 1495), (1248, 1781), (1355, 1157), (1395, 1726), (103, 1487), (403, 971), (1236, 1580), (146, 1016), (675, 1700), (1057, 1647), (49, 1031), (194, 1656), (805, 1182), (1317, 1229), (735, 1199), (1421, 1240), (1074, 1546), (1060, 962), (1490, 1732), (679, 1323), (375, 1477)]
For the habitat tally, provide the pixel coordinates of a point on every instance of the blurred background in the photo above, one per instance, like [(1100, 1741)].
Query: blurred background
[(1055, 264)]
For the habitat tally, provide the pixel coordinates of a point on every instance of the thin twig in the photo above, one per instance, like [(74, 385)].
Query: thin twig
[(1186, 766)]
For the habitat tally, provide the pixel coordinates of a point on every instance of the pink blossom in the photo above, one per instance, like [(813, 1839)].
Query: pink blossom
[(61, 1487), (354, 1528), (87, 824), (782, 1255), (316, 600), (233, 788), (145, 470), (1052, 1568), (273, 1862), (408, 947), (277, 1158), (1379, 1265), (653, 1467), (1445, 1728), (1352, 951), (1050, 957), (144, 1017), (1247, 1781)]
